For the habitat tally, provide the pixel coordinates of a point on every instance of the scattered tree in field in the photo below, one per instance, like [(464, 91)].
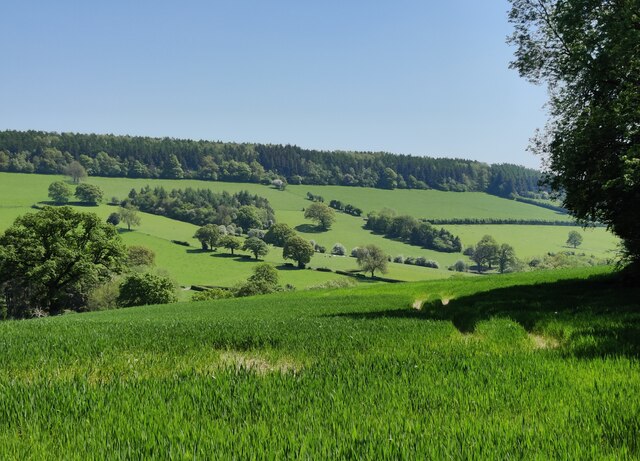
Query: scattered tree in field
[(256, 247), (460, 266), (129, 215), (50, 260), (279, 184), (371, 258), (208, 236), (88, 193), (59, 192), (76, 172), (263, 280), (320, 213), (486, 252), (574, 239), (139, 256), (338, 250), (587, 54), (266, 273), (299, 250), (146, 288), (278, 234), (113, 219), (506, 258), (230, 242)]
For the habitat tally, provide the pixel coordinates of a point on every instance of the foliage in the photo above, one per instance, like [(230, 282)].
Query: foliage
[(506, 258), (89, 193), (299, 250), (50, 260), (139, 289), (278, 234), (574, 239), (208, 236), (129, 215), (485, 253), (320, 213), (203, 206), (230, 242), (75, 171), (214, 293), (338, 249), (264, 272), (59, 192), (371, 258), (105, 295), (587, 54), (255, 246), (138, 255), (460, 266), (113, 219), (346, 208)]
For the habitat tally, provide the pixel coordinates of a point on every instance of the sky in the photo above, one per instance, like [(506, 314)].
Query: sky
[(419, 77)]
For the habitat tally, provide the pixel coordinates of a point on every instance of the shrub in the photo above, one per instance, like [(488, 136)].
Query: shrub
[(337, 283), (354, 252), (410, 260), (214, 293), (398, 259), (113, 219), (460, 266), (338, 249), (138, 255), (147, 288)]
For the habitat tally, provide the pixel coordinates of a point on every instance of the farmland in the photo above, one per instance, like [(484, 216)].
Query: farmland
[(543, 365)]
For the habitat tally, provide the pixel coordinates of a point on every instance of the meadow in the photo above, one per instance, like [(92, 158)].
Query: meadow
[(539, 365), (191, 267)]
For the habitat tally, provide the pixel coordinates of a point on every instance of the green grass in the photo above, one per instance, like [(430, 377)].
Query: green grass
[(526, 366)]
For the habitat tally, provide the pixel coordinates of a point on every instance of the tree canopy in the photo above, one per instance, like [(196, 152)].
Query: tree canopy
[(322, 214), (588, 54), (372, 258), (299, 250), (51, 259)]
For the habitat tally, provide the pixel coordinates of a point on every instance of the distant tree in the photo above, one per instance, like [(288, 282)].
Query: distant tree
[(279, 184), (460, 266), (372, 258), (172, 168), (59, 192), (256, 247), (143, 289), (320, 213), (113, 219), (574, 239), (486, 252), (76, 172), (388, 179), (50, 260), (278, 234), (138, 256), (338, 249), (506, 257), (230, 242), (299, 250), (129, 215), (88, 193), (208, 236), (249, 217), (264, 272)]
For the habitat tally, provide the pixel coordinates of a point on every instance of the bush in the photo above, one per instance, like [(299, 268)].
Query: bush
[(469, 251), (324, 269), (147, 288), (138, 255), (398, 259), (460, 266), (410, 260), (104, 296), (113, 219), (214, 293), (338, 249), (338, 283), (354, 252)]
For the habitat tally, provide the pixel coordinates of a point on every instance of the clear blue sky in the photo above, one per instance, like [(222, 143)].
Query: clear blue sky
[(419, 77)]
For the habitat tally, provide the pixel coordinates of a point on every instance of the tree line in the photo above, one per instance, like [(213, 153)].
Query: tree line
[(203, 206), (146, 157), (412, 231)]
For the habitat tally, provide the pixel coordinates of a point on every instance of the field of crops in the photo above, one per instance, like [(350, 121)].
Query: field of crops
[(538, 365)]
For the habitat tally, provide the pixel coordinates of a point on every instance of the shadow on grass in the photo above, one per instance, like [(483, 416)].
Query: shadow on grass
[(309, 229), (236, 257), (123, 230), (52, 203), (596, 317), (197, 251)]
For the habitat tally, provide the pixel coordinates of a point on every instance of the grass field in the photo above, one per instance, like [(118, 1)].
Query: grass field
[(18, 192), (528, 366)]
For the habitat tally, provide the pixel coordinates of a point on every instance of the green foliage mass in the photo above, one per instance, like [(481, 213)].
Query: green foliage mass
[(59, 192), (299, 250), (140, 289), (89, 193)]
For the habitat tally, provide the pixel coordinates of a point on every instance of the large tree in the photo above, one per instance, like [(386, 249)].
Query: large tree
[(129, 215), (75, 171), (59, 192), (50, 260), (299, 250), (588, 54), (89, 193), (255, 246), (486, 252), (320, 213), (372, 258), (208, 236)]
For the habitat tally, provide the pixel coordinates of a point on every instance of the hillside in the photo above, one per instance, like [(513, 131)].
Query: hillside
[(520, 366), (18, 192)]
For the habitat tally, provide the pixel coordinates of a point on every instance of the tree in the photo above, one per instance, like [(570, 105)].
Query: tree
[(320, 213), (506, 257), (50, 260), (138, 256), (230, 242), (249, 217), (574, 239), (129, 216), (587, 54), (88, 193), (76, 172), (486, 252), (279, 184), (146, 288), (59, 192), (278, 234), (208, 236), (371, 258), (266, 273), (255, 246), (299, 250), (263, 280), (338, 250), (113, 219)]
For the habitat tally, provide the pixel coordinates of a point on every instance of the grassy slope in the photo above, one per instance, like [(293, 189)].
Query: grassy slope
[(338, 374)]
